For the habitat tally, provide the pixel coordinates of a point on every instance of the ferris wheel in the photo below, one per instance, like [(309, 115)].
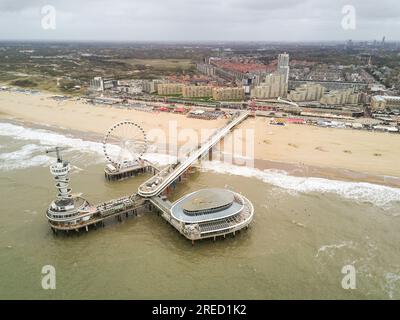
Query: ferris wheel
[(124, 143)]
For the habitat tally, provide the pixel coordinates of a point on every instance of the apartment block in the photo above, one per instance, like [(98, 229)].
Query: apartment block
[(223, 94), (385, 102), (274, 86), (197, 91), (340, 97), (169, 88), (307, 92)]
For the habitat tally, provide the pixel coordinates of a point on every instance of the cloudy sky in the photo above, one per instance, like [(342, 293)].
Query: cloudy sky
[(191, 20)]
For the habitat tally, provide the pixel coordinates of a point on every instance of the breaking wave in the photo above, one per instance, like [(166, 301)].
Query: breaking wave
[(28, 156), (50, 138), (376, 194), (24, 158)]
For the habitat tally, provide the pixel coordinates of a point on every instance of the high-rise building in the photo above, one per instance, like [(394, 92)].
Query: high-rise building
[(307, 92), (100, 84), (283, 65), (274, 86)]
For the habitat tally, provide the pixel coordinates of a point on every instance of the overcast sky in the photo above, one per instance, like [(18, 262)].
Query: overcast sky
[(191, 20)]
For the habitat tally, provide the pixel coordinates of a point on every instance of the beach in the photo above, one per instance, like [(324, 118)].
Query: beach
[(310, 221), (365, 154)]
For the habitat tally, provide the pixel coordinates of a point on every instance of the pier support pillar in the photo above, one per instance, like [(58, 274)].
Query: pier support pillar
[(87, 228)]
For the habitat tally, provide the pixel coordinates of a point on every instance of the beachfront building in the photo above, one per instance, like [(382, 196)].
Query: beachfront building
[(209, 213), (169, 89), (197, 91), (223, 94), (100, 84), (150, 86), (307, 92), (340, 97), (283, 66), (385, 102), (274, 86)]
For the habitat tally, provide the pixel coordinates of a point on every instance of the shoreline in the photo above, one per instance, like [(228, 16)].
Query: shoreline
[(302, 150), (292, 169)]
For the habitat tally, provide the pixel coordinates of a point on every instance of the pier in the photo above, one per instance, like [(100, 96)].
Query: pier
[(111, 173), (159, 182), (208, 213), (94, 216)]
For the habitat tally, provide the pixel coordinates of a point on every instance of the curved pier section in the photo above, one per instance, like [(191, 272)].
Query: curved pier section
[(156, 184), (213, 213)]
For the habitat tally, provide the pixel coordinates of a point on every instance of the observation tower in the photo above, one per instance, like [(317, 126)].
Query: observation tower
[(66, 208)]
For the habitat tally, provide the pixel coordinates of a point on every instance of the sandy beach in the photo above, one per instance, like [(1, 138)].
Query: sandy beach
[(370, 153)]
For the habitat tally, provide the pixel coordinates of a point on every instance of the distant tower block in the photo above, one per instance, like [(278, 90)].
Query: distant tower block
[(283, 65), (66, 209)]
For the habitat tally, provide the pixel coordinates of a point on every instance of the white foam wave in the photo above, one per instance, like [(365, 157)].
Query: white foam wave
[(332, 247), (363, 192), (360, 191), (46, 137), (23, 158), (49, 138)]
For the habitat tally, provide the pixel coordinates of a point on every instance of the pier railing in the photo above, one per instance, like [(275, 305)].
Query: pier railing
[(155, 185)]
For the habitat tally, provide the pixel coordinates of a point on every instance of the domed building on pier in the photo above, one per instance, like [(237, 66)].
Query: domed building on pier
[(209, 213)]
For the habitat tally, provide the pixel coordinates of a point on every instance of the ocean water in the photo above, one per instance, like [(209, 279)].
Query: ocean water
[(305, 231)]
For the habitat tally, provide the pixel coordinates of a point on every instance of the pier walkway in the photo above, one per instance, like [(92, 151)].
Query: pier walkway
[(159, 182)]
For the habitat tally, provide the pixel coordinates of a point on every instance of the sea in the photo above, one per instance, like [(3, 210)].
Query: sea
[(306, 233)]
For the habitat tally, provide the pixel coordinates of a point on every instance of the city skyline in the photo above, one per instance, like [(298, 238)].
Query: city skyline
[(231, 20)]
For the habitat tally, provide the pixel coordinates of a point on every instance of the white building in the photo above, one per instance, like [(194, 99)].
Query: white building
[(340, 97), (274, 86), (100, 84), (283, 65), (383, 102), (307, 92)]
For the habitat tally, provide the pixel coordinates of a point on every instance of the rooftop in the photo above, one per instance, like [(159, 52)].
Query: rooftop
[(206, 205), (381, 98), (207, 199)]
